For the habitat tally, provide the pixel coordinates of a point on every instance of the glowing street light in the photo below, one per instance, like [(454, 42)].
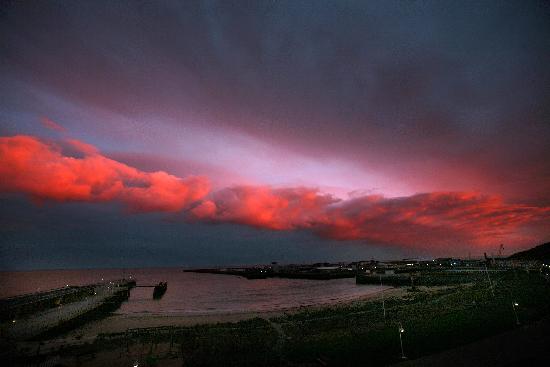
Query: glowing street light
[(383, 300), (401, 331), (514, 305)]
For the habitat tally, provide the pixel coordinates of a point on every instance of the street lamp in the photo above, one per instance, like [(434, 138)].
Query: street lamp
[(514, 305), (401, 331), (383, 300), (490, 283)]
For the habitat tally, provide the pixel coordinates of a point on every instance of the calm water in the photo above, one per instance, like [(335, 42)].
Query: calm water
[(191, 293)]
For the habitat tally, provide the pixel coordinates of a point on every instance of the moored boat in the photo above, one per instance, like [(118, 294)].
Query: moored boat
[(159, 290)]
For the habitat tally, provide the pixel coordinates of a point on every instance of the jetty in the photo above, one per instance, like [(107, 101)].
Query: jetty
[(46, 313), (317, 271)]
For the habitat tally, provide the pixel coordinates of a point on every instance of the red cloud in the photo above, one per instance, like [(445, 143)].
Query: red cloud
[(52, 125), (430, 219), (261, 206), (424, 220), (41, 170), (45, 170), (82, 147)]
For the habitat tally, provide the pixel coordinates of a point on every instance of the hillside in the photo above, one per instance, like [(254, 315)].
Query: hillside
[(540, 252)]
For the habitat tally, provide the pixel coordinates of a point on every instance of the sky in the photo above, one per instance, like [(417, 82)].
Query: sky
[(205, 133)]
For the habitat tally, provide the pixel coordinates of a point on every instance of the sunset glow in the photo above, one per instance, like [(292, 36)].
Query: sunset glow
[(274, 183), (75, 171), (417, 129)]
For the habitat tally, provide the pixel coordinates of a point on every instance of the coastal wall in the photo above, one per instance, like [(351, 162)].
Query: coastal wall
[(99, 298)]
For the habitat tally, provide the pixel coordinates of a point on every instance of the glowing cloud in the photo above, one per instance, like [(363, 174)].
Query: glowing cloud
[(75, 171), (425, 220), (52, 125), (42, 170), (265, 207), (430, 219)]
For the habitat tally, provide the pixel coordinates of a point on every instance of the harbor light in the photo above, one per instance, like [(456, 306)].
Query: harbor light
[(514, 305), (136, 364), (401, 331), (13, 321)]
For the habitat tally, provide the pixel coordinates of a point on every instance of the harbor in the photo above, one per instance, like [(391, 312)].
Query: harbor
[(274, 319), (290, 337)]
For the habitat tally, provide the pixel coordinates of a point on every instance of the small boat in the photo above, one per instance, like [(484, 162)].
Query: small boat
[(159, 290)]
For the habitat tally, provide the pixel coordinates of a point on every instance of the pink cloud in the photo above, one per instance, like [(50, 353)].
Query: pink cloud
[(31, 166), (431, 219), (265, 207), (52, 125), (43, 171), (423, 220)]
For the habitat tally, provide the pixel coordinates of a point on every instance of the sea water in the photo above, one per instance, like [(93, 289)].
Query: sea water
[(194, 293)]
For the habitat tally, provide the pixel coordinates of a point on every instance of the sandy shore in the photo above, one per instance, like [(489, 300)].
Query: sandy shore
[(118, 323)]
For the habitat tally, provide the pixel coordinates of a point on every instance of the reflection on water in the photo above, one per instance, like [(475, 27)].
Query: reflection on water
[(191, 293)]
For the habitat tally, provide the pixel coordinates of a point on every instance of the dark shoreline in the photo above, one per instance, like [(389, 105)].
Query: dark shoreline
[(434, 319)]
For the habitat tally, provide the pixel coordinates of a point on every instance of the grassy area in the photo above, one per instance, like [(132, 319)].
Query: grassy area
[(249, 343), (428, 278), (433, 321)]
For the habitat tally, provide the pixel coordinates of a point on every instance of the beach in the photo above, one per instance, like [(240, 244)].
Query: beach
[(118, 323)]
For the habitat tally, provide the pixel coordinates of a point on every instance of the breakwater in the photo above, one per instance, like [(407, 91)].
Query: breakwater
[(20, 306), (311, 272), (47, 313)]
